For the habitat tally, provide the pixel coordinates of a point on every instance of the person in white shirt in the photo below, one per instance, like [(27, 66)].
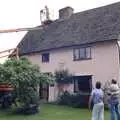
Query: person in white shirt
[(98, 105)]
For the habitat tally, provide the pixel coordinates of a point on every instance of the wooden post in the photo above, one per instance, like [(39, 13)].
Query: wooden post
[(17, 53)]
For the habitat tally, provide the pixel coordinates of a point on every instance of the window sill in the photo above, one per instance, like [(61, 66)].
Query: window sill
[(82, 59), (82, 93), (45, 62)]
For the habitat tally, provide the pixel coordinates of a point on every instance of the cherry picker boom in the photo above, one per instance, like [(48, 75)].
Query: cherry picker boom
[(20, 29), (15, 30)]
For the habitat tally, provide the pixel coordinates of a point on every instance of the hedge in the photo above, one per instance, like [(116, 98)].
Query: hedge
[(74, 100)]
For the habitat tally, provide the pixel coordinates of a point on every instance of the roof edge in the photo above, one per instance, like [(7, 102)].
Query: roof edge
[(33, 52)]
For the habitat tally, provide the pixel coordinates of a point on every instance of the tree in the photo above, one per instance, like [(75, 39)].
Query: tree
[(24, 77)]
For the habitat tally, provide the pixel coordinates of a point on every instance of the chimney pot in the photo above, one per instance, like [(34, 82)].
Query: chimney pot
[(65, 12)]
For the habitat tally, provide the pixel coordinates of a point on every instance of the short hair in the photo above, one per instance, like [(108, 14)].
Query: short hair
[(98, 85), (114, 81)]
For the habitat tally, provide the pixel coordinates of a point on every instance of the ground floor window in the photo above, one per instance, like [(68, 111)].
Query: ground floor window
[(82, 84)]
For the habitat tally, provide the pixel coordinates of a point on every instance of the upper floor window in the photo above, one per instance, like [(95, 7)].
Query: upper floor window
[(45, 57), (82, 53)]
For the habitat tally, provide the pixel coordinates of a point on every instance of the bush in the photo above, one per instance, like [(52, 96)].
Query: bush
[(64, 99), (27, 110), (74, 100), (6, 100)]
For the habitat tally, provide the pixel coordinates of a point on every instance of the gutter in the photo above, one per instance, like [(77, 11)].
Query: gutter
[(62, 47)]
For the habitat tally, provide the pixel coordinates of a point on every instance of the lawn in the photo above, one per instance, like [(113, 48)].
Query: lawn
[(53, 112)]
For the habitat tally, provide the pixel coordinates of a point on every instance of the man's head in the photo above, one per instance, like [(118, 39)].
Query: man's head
[(98, 85), (114, 81)]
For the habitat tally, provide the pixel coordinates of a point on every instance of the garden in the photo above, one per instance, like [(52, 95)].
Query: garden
[(52, 112), (19, 86), (19, 94)]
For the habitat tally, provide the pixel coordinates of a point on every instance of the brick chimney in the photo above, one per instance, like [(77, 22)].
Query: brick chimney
[(65, 12)]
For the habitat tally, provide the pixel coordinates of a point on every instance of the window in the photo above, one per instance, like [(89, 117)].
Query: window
[(45, 57), (76, 54), (82, 83), (82, 53), (88, 52)]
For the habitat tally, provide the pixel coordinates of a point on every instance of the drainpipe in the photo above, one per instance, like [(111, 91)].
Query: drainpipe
[(118, 46)]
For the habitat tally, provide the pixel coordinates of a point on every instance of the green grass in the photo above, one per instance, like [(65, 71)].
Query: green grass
[(53, 112)]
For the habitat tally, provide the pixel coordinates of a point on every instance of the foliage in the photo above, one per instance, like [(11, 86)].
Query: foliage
[(63, 76), (6, 100), (74, 100), (25, 78), (31, 109)]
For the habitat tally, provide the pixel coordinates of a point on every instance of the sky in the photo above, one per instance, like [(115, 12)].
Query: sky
[(26, 13)]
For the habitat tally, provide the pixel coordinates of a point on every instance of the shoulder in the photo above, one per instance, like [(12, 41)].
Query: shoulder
[(114, 87)]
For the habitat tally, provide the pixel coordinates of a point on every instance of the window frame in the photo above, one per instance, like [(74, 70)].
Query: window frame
[(43, 60), (85, 53), (76, 84)]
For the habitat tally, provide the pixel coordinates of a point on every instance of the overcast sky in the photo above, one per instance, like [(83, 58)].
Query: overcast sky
[(25, 13)]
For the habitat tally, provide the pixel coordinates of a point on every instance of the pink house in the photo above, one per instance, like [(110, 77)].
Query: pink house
[(86, 43)]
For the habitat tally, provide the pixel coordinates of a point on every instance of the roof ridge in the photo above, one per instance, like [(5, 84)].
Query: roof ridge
[(100, 7)]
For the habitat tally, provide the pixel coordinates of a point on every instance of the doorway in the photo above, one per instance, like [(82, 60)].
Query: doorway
[(44, 92)]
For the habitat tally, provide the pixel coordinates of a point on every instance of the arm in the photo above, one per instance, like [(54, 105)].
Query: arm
[(115, 93), (109, 91), (90, 101)]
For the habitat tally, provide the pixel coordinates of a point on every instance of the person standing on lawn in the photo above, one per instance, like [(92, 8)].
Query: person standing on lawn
[(114, 100), (97, 99)]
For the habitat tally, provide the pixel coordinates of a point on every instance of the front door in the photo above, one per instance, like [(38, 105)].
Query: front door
[(44, 91)]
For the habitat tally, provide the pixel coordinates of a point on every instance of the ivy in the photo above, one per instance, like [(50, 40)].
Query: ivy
[(63, 76)]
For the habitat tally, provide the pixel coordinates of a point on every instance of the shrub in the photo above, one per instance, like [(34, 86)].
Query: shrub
[(27, 110), (64, 99), (74, 100), (6, 101)]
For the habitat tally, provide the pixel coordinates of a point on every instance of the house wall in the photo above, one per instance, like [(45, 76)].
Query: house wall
[(103, 66)]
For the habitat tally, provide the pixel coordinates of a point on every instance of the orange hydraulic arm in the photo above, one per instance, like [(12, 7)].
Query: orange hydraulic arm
[(15, 50), (20, 29)]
